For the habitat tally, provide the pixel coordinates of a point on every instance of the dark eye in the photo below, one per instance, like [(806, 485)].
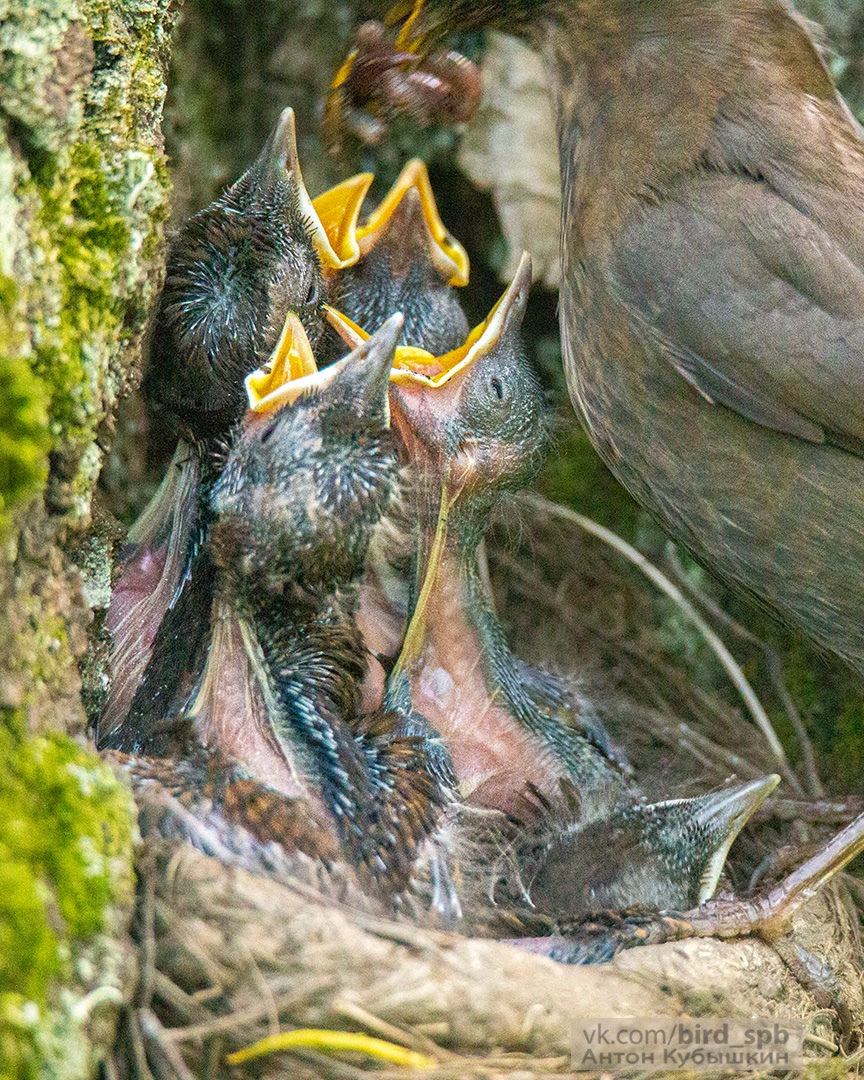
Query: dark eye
[(265, 438), (313, 293), (498, 388)]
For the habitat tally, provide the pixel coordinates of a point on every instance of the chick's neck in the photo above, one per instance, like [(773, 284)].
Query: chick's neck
[(464, 678)]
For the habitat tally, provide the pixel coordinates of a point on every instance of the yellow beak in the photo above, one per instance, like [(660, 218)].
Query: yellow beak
[(414, 365), (287, 372), (337, 252), (338, 211)]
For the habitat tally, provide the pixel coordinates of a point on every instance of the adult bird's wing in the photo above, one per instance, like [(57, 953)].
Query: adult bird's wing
[(752, 302)]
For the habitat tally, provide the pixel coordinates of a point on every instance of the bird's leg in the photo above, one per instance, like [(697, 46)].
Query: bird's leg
[(770, 917), (820, 980)]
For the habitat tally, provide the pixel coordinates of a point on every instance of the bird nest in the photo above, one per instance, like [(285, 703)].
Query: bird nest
[(228, 955)]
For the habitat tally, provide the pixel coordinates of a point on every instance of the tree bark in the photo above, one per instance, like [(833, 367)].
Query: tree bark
[(83, 196)]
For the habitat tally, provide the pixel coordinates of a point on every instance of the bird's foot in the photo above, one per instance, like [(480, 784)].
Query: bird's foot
[(819, 979), (381, 81), (600, 936), (770, 916)]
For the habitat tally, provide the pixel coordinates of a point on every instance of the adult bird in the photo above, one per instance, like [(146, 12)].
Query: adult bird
[(712, 294)]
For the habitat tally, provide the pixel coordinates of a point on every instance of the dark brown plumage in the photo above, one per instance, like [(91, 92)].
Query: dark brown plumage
[(712, 297), (270, 739), (303, 489)]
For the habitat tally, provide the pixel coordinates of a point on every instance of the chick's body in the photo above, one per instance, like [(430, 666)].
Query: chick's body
[(295, 507), (471, 438), (235, 273)]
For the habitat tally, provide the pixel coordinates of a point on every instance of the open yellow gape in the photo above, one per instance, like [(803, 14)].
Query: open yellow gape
[(290, 370), (338, 212), (415, 365), (340, 242)]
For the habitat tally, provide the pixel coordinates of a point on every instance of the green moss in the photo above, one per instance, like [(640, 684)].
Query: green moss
[(24, 437), (82, 197), (77, 219), (575, 476), (74, 827), (66, 831)]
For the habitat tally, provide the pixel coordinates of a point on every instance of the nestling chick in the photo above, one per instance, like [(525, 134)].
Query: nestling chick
[(666, 855), (296, 505), (410, 263), (240, 274), (235, 271), (473, 423)]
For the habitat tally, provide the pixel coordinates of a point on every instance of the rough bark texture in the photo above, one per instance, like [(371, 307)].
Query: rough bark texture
[(83, 188)]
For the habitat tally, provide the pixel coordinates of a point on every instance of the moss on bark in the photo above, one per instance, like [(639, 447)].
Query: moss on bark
[(83, 197), (65, 879)]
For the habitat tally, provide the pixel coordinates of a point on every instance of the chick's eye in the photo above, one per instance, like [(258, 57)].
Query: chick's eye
[(497, 388), (312, 294)]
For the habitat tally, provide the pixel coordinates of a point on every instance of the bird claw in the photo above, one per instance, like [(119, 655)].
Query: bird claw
[(599, 937), (770, 917), (380, 81)]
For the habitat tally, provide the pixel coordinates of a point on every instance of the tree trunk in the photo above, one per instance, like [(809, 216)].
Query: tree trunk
[(83, 194)]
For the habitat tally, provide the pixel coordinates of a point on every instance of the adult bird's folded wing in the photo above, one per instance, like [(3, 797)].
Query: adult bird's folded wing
[(753, 302)]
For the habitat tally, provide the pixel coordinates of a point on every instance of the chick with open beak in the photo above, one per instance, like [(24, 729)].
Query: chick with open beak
[(408, 262), (473, 423), (236, 270), (509, 737), (311, 472), (242, 276)]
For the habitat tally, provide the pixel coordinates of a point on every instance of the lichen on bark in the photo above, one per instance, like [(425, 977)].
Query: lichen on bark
[(83, 198), (65, 878)]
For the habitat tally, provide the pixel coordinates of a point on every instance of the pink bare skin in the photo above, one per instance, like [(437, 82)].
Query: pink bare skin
[(230, 714), (494, 757)]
